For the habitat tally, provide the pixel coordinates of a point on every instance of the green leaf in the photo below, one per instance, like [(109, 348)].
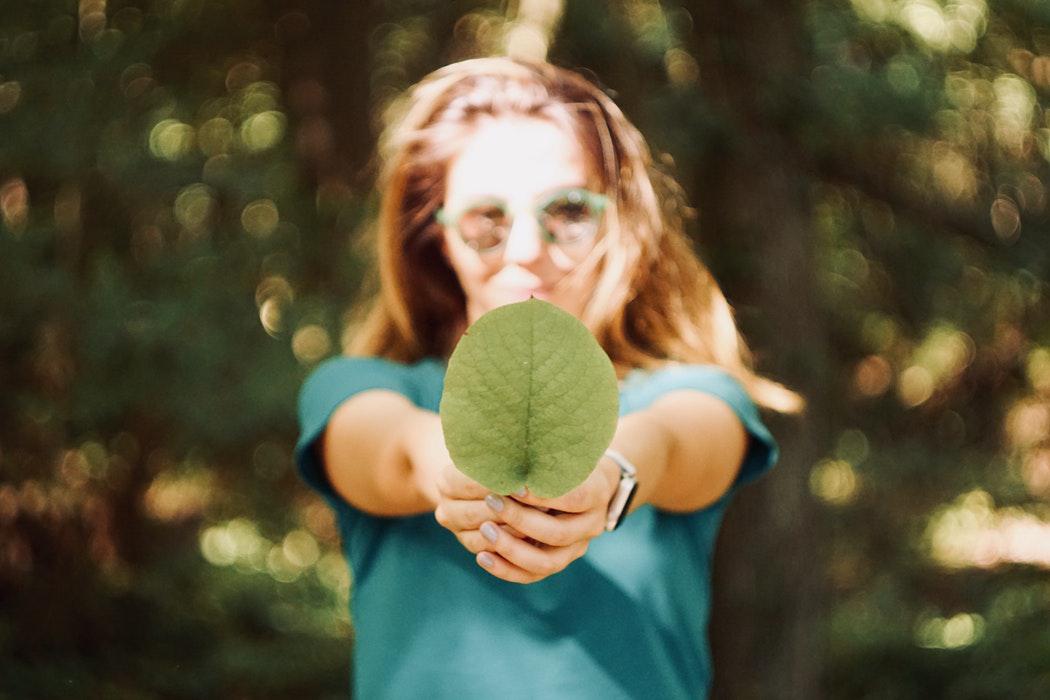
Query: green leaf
[(530, 398)]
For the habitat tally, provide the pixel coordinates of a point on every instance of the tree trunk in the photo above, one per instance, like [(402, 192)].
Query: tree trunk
[(768, 620), (325, 70)]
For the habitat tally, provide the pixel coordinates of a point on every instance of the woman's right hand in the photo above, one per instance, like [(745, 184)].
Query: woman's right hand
[(458, 500), (468, 509), (462, 508)]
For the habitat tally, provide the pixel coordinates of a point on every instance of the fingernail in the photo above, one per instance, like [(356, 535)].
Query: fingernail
[(490, 532), (521, 492), (486, 559), (494, 502)]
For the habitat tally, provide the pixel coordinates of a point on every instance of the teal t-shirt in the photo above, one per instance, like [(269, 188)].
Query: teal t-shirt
[(628, 619)]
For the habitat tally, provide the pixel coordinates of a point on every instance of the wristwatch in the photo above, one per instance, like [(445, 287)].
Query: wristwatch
[(621, 500)]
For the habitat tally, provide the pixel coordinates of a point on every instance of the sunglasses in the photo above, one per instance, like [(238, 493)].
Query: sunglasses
[(566, 217)]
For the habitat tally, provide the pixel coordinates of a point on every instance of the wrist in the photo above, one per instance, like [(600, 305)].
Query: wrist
[(642, 441), (627, 488), (611, 471), (424, 443)]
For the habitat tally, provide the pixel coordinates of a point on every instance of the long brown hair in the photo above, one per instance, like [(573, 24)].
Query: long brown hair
[(654, 302)]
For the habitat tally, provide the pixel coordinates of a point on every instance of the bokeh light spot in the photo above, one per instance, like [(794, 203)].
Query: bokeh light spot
[(1035, 471), (10, 93), (279, 567), (300, 549), (915, 386), (92, 18), (14, 204), (179, 496), (526, 41), (971, 532), (1037, 368), (681, 67), (1015, 102), (194, 205), (242, 74), (262, 131), (902, 76), (310, 344), (236, 541), (274, 286), (852, 446), (260, 218), (834, 481), (1028, 423), (872, 376), (215, 136), (879, 332), (333, 573), (218, 547), (1006, 218), (956, 632), (270, 315), (171, 139)]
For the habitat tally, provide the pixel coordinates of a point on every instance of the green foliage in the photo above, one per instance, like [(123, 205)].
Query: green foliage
[(180, 185), (530, 398)]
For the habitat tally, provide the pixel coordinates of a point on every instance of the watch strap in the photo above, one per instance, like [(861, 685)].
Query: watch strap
[(621, 500)]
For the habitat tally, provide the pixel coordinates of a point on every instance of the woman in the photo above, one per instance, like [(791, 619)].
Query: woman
[(503, 180)]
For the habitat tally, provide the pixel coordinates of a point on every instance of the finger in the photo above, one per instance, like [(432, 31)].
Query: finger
[(468, 515), (473, 541), (539, 561), (452, 483), (547, 528), (462, 515), (587, 495), (519, 535), (501, 568), (476, 543)]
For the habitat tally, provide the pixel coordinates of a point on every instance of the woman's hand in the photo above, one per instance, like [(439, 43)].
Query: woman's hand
[(530, 542), (460, 506)]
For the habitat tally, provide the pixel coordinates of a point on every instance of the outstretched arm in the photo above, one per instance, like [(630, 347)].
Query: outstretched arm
[(368, 450), (389, 458), (708, 445)]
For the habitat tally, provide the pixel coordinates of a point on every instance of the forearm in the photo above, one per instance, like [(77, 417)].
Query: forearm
[(687, 447), (647, 445), (639, 437), (424, 443)]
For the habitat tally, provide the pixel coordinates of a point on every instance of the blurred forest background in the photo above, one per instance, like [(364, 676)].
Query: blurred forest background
[(181, 186)]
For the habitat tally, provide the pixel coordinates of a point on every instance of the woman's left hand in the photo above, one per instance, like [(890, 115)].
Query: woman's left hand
[(559, 537)]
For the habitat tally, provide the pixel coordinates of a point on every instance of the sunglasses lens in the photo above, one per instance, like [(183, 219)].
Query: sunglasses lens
[(484, 227), (571, 218)]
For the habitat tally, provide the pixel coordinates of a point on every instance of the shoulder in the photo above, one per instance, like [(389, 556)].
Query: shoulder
[(335, 368), (650, 385), (338, 378)]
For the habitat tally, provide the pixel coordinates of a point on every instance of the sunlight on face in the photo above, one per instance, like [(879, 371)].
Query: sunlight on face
[(519, 161)]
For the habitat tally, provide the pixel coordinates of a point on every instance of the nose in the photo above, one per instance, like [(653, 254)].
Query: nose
[(524, 244)]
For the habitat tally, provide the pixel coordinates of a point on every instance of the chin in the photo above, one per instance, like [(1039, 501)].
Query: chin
[(513, 296), (505, 297)]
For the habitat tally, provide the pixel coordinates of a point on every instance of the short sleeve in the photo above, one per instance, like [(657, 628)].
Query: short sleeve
[(328, 386), (762, 451)]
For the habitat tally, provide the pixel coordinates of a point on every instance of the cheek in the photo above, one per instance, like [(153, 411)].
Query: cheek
[(563, 262), (465, 264)]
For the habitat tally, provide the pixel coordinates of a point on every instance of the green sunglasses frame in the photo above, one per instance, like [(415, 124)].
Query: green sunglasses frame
[(594, 200)]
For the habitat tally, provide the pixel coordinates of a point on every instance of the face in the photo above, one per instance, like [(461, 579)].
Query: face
[(520, 164)]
